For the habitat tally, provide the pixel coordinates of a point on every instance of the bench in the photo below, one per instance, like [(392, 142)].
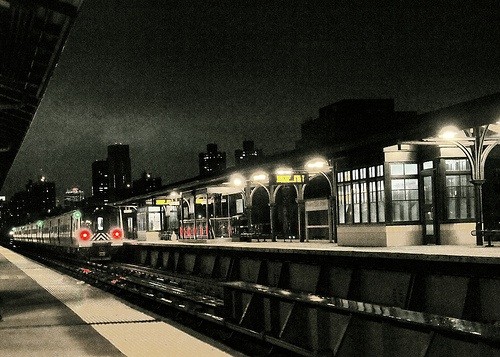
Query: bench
[(488, 234)]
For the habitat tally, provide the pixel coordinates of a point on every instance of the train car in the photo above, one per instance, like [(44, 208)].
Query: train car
[(90, 233)]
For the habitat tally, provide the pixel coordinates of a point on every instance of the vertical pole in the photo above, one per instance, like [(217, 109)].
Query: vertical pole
[(302, 223), (181, 225), (207, 217), (330, 219), (478, 198), (248, 205), (477, 181), (332, 205), (194, 215), (271, 220)]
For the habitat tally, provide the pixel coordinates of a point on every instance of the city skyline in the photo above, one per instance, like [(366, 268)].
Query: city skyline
[(61, 191), (168, 78)]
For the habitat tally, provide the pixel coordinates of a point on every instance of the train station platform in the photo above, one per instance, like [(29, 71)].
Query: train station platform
[(46, 313), (444, 253)]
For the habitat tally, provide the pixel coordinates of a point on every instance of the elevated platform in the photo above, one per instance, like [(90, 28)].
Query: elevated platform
[(45, 313), (438, 253), (318, 298)]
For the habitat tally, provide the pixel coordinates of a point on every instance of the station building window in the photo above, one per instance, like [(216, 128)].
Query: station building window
[(360, 194), (149, 218), (404, 192), (459, 190)]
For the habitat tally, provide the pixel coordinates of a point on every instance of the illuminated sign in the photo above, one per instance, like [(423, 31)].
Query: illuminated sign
[(201, 201), (290, 179), (167, 202)]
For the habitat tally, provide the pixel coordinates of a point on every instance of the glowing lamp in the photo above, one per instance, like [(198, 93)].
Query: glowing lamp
[(448, 132), (317, 165), (85, 234), (260, 177), (117, 233), (237, 180), (284, 171)]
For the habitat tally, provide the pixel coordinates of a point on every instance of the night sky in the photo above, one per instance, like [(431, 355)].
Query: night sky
[(168, 77)]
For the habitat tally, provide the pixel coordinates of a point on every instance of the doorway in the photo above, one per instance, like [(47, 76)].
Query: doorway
[(430, 220)]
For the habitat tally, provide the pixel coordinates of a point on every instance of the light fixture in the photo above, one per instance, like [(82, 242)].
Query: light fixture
[(317, 164), (448, 132), (237, 180), (284, 171), (260, 176), (173, 194)]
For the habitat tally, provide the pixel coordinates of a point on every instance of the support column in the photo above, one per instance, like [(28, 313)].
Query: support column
[(478, 210), (301, 220), (332, 221), (248, 205), (249, 216), (195, 236), (271, 220), (207, 217)]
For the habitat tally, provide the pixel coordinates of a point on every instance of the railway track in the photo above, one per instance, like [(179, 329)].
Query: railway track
[(193, 302), (260, 319)]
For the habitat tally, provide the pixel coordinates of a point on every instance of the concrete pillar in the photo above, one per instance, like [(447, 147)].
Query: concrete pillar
[(301, 227)]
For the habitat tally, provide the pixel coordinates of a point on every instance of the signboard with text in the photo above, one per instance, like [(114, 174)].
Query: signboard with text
[(294, 178), (167, 202)]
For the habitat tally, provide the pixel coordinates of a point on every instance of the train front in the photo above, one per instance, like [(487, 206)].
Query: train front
[(99, 232)]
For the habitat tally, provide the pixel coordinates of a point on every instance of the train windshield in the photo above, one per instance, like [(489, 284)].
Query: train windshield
[(100, 223), (102, 218)]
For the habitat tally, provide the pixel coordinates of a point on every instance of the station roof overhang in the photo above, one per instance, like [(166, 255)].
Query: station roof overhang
[(481, 111), (199, 185), (464, 115), (32, 37)]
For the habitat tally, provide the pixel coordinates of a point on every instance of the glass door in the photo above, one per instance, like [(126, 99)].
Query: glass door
[(429, 221)]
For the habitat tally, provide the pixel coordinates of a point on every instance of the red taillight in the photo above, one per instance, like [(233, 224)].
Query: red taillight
[(117, 233), (85, 234)]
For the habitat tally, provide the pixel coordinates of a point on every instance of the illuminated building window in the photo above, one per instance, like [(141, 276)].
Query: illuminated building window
[(459, 191), (361, 196), (404, 192), (149, 218)]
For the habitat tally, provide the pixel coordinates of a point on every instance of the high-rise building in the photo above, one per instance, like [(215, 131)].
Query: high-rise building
[(353, 120), (18, 208), (248, 155), (100, 180), (42, 196), (146, 183), (212, 161), (119, 171), (73, 197)]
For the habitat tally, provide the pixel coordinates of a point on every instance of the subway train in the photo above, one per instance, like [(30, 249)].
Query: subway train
[(90, 233)]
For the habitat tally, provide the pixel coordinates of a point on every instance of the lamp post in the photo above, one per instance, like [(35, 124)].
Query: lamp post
[(476, 146)]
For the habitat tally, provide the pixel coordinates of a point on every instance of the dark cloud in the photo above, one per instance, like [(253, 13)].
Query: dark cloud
[(168, 77)]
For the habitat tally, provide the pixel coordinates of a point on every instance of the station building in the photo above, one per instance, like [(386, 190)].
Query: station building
[(362, 174)]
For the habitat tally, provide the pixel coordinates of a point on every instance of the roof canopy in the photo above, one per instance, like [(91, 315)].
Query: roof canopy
[(32, 36)]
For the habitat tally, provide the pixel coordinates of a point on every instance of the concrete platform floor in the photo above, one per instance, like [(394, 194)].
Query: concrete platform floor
[(462, 253), (45, 313)]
